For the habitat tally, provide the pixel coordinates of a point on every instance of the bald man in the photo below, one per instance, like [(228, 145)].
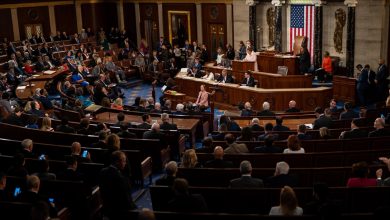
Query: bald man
[(380, 131), (292, 107), (218, 161)]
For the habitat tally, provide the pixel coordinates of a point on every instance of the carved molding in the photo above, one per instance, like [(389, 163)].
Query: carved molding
[(251, 2), (278, 2), (351, 3), (319, 3)]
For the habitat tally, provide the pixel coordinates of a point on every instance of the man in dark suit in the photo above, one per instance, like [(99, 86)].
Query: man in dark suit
[(76, 153), (255, 125), (102, 141), (71, 173), (381, 81), (292, 107), (363, 86), (248, 80), (64, 126), (43, 98), (279, 125), (246, 180), (281, 177), (266, 110), (380, 131), (154, 133), (268, 132), (225, 78), (268, 146), (146, 124), (27, 151), (233, 147), (355, 132), (247, 111), (170, 176), (301, 134), (15, 117), (124, 133), (218, 161), (323, 119), (115, 188), (348, 113), (304, 60), (166, 125)]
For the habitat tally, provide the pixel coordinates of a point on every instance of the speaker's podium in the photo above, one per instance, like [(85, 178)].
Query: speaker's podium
[(240, 65)]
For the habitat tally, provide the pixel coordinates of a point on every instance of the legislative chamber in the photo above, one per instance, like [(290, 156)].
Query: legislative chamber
[(194, 109)]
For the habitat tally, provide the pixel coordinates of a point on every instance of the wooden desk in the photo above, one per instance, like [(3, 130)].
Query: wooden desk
[(38, 80), (290, 123), (269, 62), (268, 80), (187, 126), (307, 98), (240, 65), (344, 88), (175, 97)]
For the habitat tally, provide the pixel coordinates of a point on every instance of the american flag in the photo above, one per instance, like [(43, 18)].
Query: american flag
[(302, 24)]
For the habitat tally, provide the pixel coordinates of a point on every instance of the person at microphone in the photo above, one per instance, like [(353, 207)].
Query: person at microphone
[(251, 56), (203, 98), (248, 80)]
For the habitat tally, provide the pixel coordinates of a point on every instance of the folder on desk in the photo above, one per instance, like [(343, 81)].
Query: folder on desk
[(93, 108), (49, 72)]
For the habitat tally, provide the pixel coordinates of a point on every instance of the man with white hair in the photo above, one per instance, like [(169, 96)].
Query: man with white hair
[(247, 111), (292, 107), (255, 125), (380, 131), (165, 123), (266, 110), (157, 108), (150, 104), (180, 109), (27, 145), (281, 177), (154, 133), (246, 180), (170, 176)]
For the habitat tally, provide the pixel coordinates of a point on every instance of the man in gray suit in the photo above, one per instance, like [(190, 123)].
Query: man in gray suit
[(233, 147), (246, 180)]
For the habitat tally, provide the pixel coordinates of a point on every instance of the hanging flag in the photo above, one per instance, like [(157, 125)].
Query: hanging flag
[(302, 24)]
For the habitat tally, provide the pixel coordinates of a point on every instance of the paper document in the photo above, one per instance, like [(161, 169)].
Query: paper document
[(48, 72)]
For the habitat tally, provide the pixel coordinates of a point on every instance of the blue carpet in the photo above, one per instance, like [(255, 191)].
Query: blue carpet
[(143, 90)]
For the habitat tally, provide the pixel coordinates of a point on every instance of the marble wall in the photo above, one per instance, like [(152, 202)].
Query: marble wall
[(261, 20), (240, 22)]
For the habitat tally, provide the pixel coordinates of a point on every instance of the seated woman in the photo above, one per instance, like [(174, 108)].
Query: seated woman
[(246, 135), (28, 68), (77, 77), (203, 98), (293, 145), (117, 104), (208, 76), (189, 159), (46, 124), (288, 203), (360, 173)]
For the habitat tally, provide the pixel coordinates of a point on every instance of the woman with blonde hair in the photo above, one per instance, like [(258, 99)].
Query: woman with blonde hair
[(46, 124), (288, 203), (189, 159), (293, 145), (324, 133), (117, 104)]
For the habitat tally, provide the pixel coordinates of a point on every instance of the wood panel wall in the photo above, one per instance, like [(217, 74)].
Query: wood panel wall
[(35, 15), (212, 14), (96, 15), (5, 18), (130, 23), (66, 18), (148, 12), (180, 7)]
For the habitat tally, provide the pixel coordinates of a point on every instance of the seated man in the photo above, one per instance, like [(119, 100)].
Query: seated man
[(218, 161), (348, 113), (380, 131), (302, 133), (255, 125), (233, 147), (248, 79), (119, 73), (279, 125), (268, 146), (170, 174), (281, 177), (146, 124), (165, 123), (268, 132), (247, 111), (225, 78), (355, 132), (266, 110), (183, 200), (323, 119), (246, 180), (292, 107)]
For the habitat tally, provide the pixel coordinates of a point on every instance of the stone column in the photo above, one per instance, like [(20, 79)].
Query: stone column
[(199, 23), (278, 24), (252, 25), (121, 17), (160, 19), (318, 30), (15, 24), (52, 18), (351, 36), (229, 23), (79, 17), (137, 21)]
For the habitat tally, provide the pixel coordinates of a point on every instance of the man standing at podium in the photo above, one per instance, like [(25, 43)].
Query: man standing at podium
[(251, 56), (248, 79)]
